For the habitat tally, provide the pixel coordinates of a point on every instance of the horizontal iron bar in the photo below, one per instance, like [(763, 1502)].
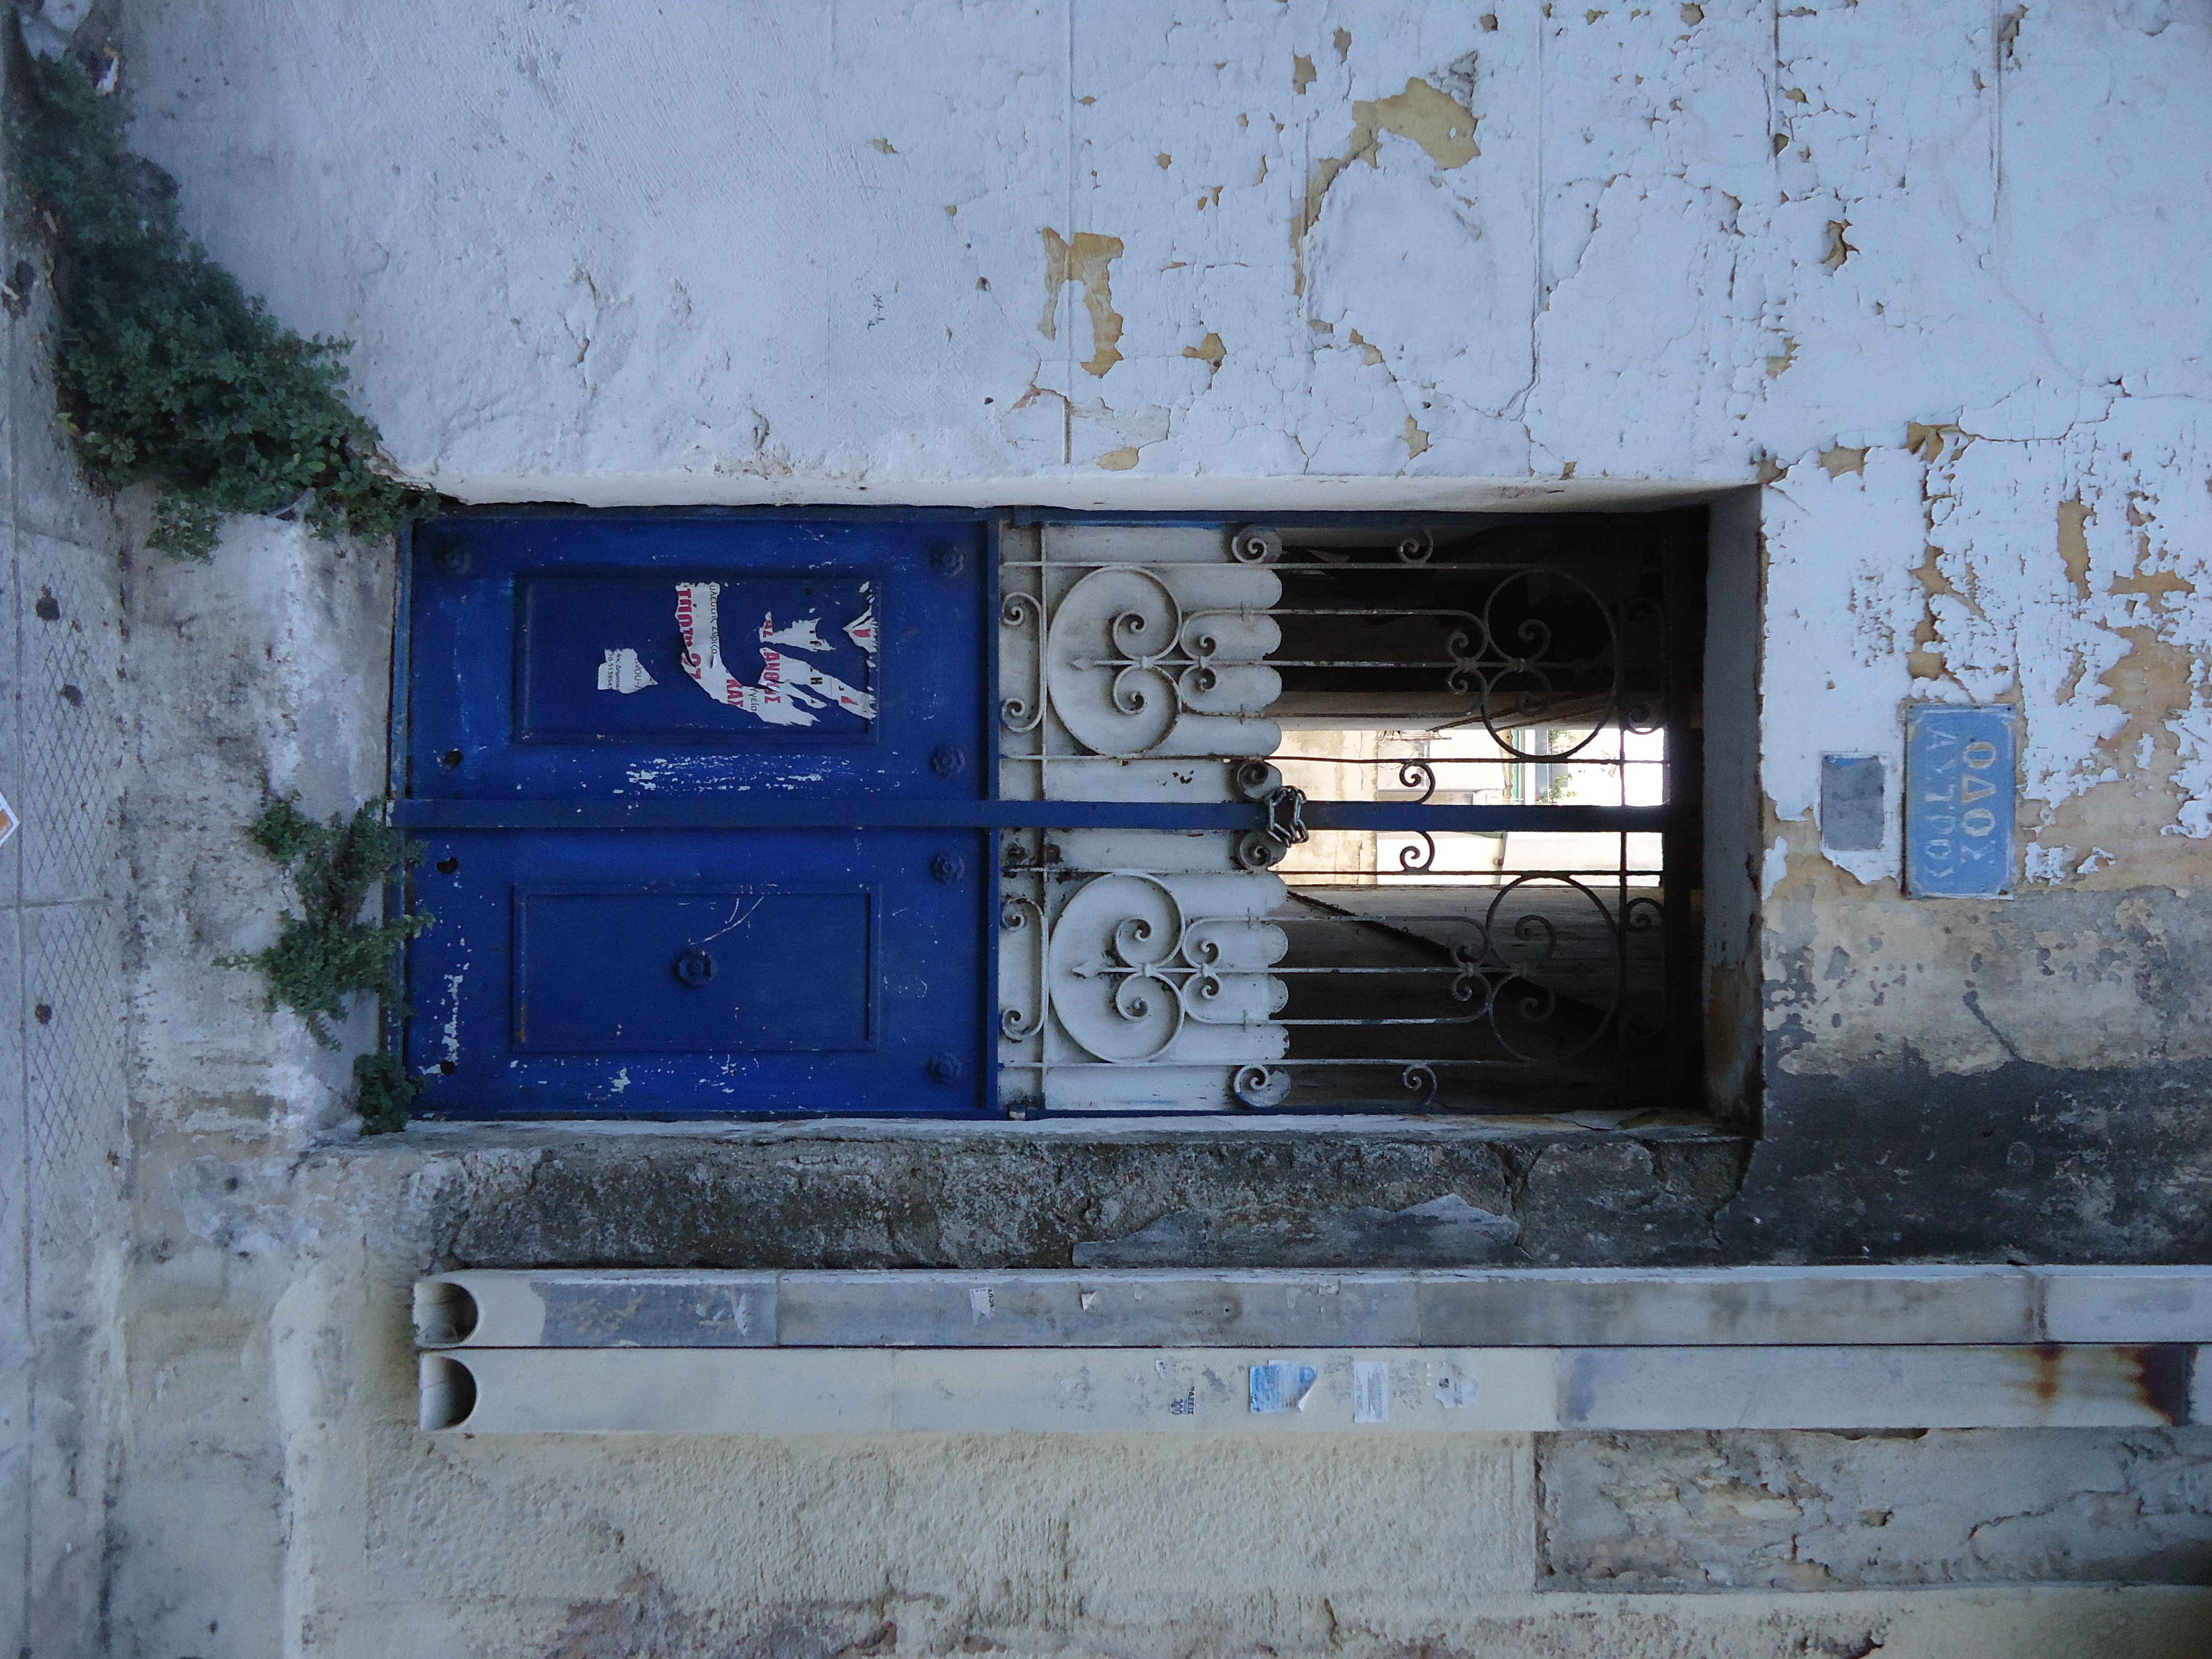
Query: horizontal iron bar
[(892, 812)]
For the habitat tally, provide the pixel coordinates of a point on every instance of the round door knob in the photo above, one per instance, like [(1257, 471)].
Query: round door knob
[(944, 1068), (695, 967)]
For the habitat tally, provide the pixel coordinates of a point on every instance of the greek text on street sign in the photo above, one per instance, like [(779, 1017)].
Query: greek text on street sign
[(1959, 801)]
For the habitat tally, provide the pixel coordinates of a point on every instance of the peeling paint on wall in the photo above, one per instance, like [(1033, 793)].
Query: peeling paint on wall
[(1088, 260), (1439, 122)]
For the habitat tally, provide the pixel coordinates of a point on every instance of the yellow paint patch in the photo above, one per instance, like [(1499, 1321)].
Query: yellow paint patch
[(1838, 249), (2073, 516), (1928, 441), (1693, 14), (1261, 177), (1087, 260), (1772, 471), (1301, 73), (884, 145), (1209, 351), (1119, 460), (1435, 120), (2156, 586), (1370, 354), (1840, 461), (1417, 442), (1165, 159), (1342, 41), (1925, 661), (1777, 366)]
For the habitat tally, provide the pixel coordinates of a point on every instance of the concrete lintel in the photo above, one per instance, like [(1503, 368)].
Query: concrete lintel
[(1583, 1308), (1272, 1391)]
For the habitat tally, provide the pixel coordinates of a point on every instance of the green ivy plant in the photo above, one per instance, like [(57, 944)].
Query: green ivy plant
[(384, 1094), (329, 954), (168, 372)]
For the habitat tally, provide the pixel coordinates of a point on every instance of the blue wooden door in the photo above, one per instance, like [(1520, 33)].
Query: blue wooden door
[(699, 799)]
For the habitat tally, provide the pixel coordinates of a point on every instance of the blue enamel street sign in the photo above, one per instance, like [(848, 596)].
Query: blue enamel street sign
[(1959, 801)]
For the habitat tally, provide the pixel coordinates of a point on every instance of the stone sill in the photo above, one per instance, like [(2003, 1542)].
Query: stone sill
[(482, 1134)]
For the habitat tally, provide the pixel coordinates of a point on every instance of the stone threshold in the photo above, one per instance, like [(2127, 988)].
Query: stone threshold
[(454, 1135)]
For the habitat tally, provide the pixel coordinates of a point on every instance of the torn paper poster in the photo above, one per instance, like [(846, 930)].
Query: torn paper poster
[(622, 672), (861, 631), (1281, 1385), (799, 637), (789, 688), (9, 821), (1455, 1387), (1371, 1391)]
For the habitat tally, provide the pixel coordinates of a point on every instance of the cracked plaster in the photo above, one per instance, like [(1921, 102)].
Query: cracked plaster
[(1920, 275)]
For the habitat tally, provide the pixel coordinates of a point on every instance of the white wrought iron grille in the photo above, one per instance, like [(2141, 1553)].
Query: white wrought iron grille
[(1361, 816)]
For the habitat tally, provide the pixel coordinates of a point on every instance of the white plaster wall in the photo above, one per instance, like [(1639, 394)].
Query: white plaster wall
[(694, 251), (1924, 272), (705, 252)]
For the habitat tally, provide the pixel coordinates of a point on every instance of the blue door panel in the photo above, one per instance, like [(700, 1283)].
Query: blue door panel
[(599, 657), (845, 973), (697, 970), (565, 661)]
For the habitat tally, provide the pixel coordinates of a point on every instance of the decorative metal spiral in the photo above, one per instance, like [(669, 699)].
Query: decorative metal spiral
[(1468, 959), (1421, 1080), (1252, 546), (1260, 1086), (1417, 548), (1417, 859), (1418, 774), (1018, 610), (1014, 918)]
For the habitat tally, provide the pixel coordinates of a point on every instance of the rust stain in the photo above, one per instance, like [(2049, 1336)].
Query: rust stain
[(2073, 516), (2166, 1378), (2049, 1360), (1434, 119), (1087, 260)]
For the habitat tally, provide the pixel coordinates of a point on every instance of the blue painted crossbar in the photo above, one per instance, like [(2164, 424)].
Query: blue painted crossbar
[(893, 812)]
